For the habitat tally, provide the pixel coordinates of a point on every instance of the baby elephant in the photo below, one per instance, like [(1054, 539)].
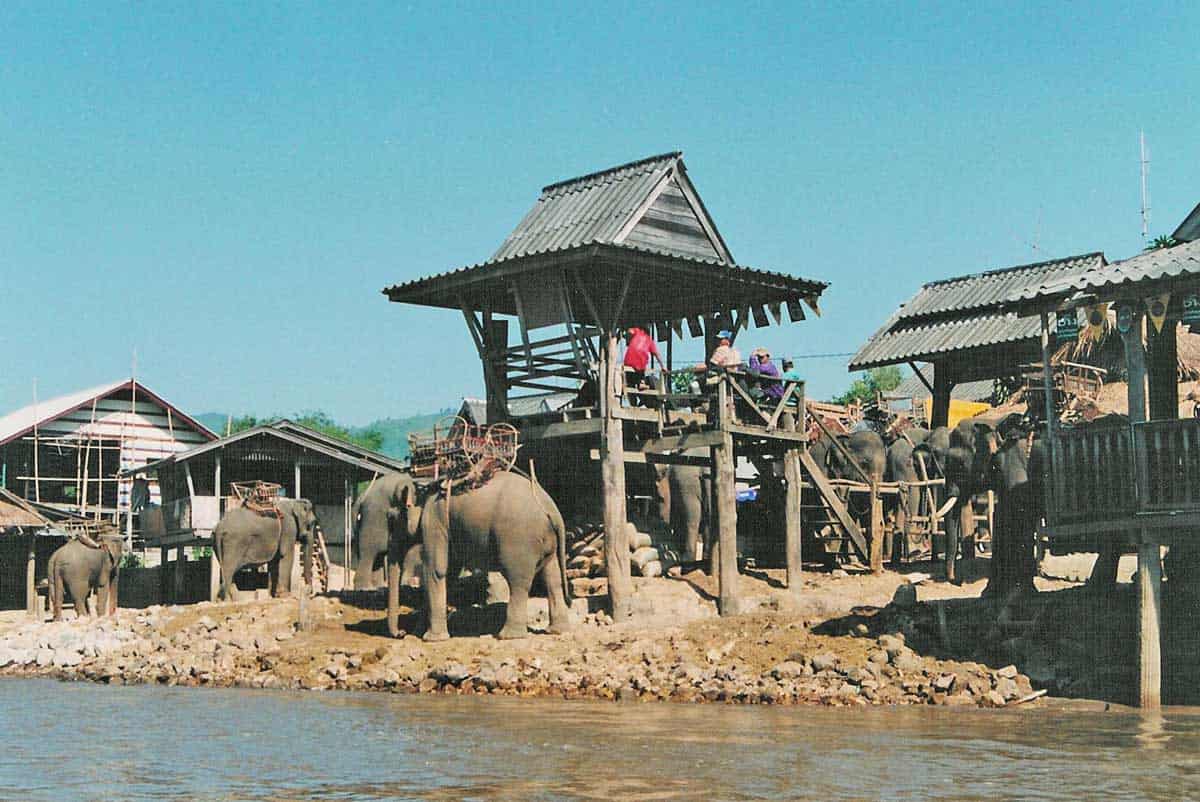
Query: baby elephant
[(84, 565)]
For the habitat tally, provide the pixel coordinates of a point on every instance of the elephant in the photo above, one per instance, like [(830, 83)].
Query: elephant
[(966, 466), (246, 537), (685, 495), (83, 566), (510, 517), (1017, 480), (373, 520), (901, 468)]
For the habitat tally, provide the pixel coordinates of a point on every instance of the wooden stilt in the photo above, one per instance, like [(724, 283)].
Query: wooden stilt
[(214, 576), (876, 529), (612, 477), (940, 414), (31, 597), (726, 556), (178, 575), (164, 584), (1149, 582), (792, 512)]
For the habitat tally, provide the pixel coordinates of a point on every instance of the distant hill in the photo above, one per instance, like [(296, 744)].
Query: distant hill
[(395, 430)]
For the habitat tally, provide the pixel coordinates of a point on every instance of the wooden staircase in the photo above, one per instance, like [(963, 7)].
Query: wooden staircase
[(829, 514)]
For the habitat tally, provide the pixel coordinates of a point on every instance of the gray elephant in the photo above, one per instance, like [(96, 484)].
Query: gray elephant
[(374, 518), (684, 494), (901, 468), (509, 517), (83, 565), (966, 466), (247, 537), (1016, 473)]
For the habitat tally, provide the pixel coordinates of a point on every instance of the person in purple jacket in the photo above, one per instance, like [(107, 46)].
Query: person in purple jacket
[(761, 364)]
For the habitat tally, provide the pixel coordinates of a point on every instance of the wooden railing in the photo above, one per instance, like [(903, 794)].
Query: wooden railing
[(1107, 473)]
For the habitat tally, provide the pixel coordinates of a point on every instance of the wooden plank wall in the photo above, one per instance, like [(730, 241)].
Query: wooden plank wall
[(671, 225)]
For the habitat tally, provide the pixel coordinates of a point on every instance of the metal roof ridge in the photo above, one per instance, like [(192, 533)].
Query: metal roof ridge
[(1016, 268), (670, 155)]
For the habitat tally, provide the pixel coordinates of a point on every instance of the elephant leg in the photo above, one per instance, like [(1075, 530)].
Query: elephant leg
[(102, 599), (56, 595), (273, 577), (516, 617), (953, 533), (228, 569), (283, 573), (435, 556), (560, 613), (79, 595), (112, 595)]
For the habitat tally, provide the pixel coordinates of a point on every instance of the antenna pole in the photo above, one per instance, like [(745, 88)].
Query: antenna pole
[(1145, 187)]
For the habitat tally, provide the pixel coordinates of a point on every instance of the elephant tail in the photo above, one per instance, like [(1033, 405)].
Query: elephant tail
[(560, 534)]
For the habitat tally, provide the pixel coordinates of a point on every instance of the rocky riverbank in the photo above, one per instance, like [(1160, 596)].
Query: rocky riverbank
[(864, 657)]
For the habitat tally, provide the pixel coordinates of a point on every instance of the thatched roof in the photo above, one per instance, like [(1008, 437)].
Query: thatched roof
[(1108, 352)]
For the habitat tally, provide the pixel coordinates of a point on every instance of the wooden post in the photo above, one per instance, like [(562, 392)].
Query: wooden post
[(178, 574), (792, 520), (724, 559), (348, 532), (1050, 491), (876, 535), (1149, 582), (1163, 372), (612, 477), (164, 584), (32, 607), (217, 480), (1135, 362), (296, 480), (940, 414)]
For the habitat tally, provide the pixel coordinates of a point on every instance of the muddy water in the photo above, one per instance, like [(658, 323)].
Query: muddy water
[(81, 741)]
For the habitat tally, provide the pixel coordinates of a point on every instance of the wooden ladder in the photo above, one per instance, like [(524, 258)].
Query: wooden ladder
[(835, 511), (320, 563)]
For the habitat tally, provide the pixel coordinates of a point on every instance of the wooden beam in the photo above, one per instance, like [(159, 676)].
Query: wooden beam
[(683, 441), (612, 479), (570, 428), (921, 376), (587, 300), (516, 292), (821, 482), (620, 305), (942, 386), (724, 558), (654, 458)]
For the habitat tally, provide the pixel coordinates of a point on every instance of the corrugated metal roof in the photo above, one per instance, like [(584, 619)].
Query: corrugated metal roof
[(912, 387), (520, 406), (738, 272), (964, 312), (1189, 229), (16, 424), (925, 340), (1164, 263), (590, 208)]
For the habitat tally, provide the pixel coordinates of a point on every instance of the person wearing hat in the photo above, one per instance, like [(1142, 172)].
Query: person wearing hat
[(761, 365), (724, 355)]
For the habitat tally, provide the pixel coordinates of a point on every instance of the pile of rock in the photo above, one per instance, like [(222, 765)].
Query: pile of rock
[(586, 569)]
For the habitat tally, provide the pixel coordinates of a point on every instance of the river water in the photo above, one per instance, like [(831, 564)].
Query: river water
[(78, 741)]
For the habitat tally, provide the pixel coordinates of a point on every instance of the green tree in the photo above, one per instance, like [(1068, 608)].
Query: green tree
[(368, 437), (1161, 241), (871, 383)]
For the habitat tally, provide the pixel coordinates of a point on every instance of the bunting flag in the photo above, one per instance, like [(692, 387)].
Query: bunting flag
[(760, 317), (677, 327), (1097, 316), (811, 300), (662, 331), (776, 312), (743, 321), (695, 327), (795, 310), (1156, 306)]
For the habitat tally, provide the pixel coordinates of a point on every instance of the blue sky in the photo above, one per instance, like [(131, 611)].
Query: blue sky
[(226, 188)]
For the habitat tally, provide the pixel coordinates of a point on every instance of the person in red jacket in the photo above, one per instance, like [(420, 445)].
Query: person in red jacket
[(640, 348)]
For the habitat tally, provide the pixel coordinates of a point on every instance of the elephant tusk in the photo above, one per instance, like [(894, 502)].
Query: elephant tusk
[(950, 502)]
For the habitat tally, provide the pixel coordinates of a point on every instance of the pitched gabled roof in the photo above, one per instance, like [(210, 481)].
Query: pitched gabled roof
[(16, 511), (1189, 229), (964, 312), (1146, 270), (290, 432), (648, 203), (21, 422)]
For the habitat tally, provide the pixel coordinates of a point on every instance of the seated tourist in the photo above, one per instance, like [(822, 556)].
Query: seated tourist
[(761, 365)]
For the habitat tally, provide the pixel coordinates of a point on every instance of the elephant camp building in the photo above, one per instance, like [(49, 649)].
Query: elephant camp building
[(67, 454), (1133, 487), (197, 487), (961, 329), (26, 542), (634, 245)]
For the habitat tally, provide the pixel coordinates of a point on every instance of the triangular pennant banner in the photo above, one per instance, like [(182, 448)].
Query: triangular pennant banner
[(677, 327), (1096, 316), (795, 310), (695, 327), (743, 320), (811, 300), (760, 317), (1156, 306), (776, 312)]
